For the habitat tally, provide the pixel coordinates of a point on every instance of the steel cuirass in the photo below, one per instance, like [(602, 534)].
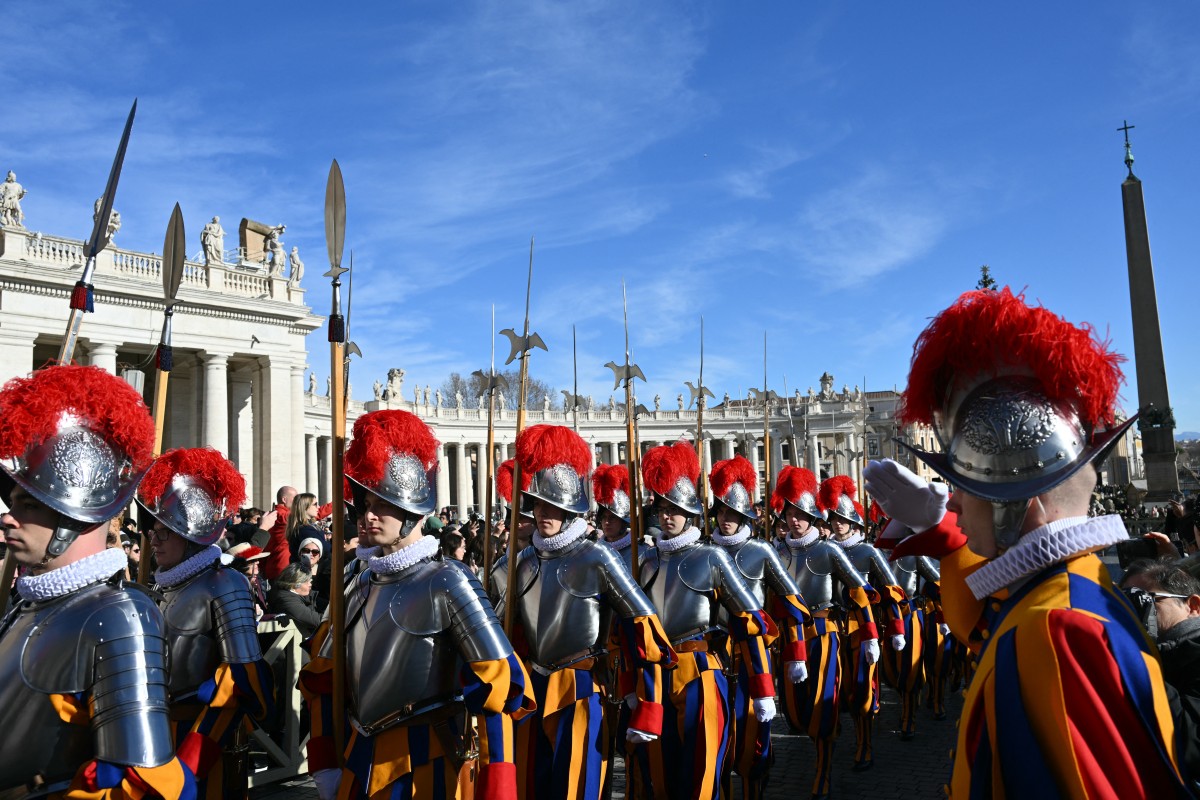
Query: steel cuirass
[(405, 635), (566, 601), (817, 569), (761, 569), (210, 621), (872, 564), (910, 570), (105, 641), (681, 586)]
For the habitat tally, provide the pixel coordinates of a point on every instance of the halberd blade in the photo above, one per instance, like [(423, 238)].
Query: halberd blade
[(99, 238), (174, 254), (335, 216)]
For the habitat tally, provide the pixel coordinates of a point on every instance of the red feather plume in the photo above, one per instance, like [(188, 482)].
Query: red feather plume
[(832, 489), (379, 435), (876, 513), (663, 466), (504, 480), (993, 332), (791, 483), (31, 407), (734, 470), (206, 466), (542, 446), (607, 480)]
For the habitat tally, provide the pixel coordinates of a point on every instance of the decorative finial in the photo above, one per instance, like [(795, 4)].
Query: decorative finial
[(1128, 149)]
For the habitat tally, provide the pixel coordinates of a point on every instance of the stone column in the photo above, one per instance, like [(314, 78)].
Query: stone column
[(853, 443), (104, 355), (462, 472), (297, 403), (216, 403), (281, 460), (812, 455), (776, 457), (706, 451), (443, 479), (728, 448), (311, 481), (481, 478), (614, 452), (752, 456), (16, 353)]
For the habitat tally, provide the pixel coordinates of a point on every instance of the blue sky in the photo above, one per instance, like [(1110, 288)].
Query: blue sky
[(834, 173)]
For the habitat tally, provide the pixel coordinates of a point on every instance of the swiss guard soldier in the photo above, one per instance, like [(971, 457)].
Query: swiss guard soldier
[(861, 690), (732, 483), (422, 642), (217, 670), (572, 590), (827, 580), (904, 669), (1068, 697), (83, 702), (610, 487), (689, 581), (523, 532)]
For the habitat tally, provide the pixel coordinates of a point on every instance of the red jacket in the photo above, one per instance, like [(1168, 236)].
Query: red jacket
[(278, 553)]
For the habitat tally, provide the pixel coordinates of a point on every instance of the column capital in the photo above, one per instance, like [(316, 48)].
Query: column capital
[(211, 359)]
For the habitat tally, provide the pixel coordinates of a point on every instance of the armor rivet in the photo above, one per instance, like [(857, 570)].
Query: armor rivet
[(987, 471), (1061, 455), (1040, 464), (1016, 471)]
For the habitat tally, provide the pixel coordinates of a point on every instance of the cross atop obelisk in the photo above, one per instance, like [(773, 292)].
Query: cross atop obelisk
[(1157, 422)]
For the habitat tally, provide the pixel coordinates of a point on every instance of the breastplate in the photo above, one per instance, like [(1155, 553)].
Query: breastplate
[(871, 565), (406, 633), (59, 647), (905, 569), (680, 586), (191, 634), (559, 603)]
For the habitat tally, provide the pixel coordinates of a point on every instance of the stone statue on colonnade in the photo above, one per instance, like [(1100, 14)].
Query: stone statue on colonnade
[(212, 241), (11, 193)]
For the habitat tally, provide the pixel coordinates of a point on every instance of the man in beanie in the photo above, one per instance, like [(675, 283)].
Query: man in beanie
[(1068, 697), (83, 703)]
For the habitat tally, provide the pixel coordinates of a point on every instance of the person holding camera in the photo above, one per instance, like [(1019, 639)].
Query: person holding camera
[(1068, 697)]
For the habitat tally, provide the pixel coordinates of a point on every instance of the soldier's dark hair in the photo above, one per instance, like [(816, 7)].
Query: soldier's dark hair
[(1165, 575)]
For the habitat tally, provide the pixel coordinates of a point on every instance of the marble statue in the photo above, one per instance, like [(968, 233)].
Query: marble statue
[(378, 389), (811, 394), (612, 403), (212, 240), (114, 219), (845, 392), (546, 403), (458, 400), (329, 387), (500, 399), (679, 400), (857, 392), (11, 193), (297, 268), (417, 396), (427, 395), (395, 385), (312, 383), (274, 250), (437, 397), (480, 401), (591, 403), (826, 386), (658, 402), (725, 400)]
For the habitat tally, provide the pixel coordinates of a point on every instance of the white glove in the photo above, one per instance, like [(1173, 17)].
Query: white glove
[(898, 642), (943, 629), (797, 671), (904, 497), (764, 708), (631, 701), (327, 781), (871, 650), (634, 736)]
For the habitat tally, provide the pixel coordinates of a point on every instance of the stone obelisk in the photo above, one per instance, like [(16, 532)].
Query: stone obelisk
[(1157, 422)]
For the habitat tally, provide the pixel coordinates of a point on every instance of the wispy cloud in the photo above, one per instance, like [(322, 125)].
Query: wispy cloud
[(752, 180)]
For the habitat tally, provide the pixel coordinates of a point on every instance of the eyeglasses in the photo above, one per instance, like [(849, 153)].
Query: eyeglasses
[(1165, 595), (160, 534), (311, 552), (135, 549)]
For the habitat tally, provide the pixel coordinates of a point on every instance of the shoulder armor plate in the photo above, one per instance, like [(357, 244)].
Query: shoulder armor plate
[(696, 567)]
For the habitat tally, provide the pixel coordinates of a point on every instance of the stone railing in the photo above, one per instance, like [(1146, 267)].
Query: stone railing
[(67, 254)]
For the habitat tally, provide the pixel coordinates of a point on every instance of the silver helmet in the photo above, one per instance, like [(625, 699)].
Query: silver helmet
[(797, 487), (76, 439), (1019, 414), (558, 462), (808, 504), (394, 456), (193, 492), (610, 488), (845, 510), (732, 482), (619, 506), (670, 472), (836, 497)]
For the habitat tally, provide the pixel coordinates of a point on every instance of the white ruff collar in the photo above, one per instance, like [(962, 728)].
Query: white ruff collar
[(366, 553), (619, 544), (405, 557), (188, 567), (686, 539), (742, 534), (1043, 547), (558, 541), (852, 540), (63, 580), (805, 541)]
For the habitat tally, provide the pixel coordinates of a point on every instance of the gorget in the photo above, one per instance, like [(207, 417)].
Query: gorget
[(64, 580), (1044, 547)]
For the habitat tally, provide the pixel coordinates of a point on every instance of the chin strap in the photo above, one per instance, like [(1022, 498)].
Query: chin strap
[(68, 530), (1007, 520)]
